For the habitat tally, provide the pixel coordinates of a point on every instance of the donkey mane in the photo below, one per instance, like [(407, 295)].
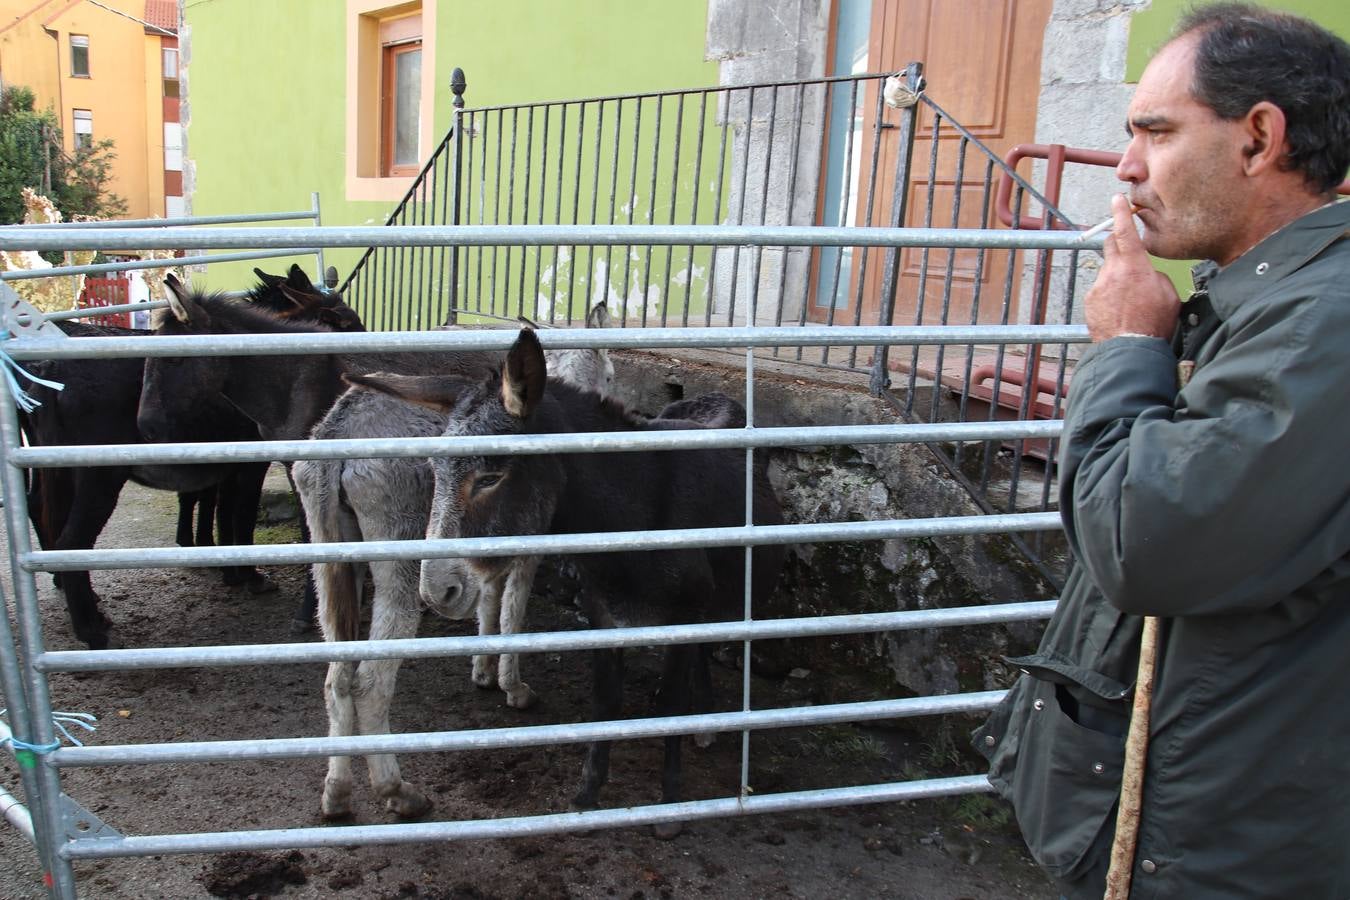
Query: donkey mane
[(241, 315)]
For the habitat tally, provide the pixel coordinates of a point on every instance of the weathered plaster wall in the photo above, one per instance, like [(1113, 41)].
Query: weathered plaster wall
[(759, 43)]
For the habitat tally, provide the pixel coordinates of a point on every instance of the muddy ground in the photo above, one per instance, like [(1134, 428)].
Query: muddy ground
[(942, 849)]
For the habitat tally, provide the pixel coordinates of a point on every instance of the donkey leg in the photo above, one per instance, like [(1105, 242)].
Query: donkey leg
[(703, 692), (242, 493), (303, 619), (607, 695), (339, 618), (395, 614), (489, 621), (206, 515), (187, 505), (337, 696), (515, 599), (673, 699), (95, 497)]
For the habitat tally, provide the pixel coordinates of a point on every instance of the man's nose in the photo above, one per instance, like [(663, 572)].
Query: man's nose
[(1131, 166)]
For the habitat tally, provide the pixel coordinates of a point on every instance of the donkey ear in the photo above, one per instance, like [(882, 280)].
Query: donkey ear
[(297, 279), (599, 316), (438, 392), (269, 280), (178, 297), (524, 375)]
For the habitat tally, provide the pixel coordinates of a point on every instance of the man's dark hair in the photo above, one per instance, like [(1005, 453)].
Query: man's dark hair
[(1247, 54)]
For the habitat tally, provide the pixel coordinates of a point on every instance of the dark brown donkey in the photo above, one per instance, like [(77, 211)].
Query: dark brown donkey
[(596, 492), (70, 506)]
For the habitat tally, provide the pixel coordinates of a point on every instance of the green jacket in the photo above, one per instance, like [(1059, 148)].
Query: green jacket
[(1223, 508)]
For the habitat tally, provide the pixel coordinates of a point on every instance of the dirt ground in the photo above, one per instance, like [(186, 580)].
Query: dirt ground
[(941, 849)]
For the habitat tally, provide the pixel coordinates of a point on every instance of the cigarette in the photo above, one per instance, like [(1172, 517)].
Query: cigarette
[(1102, 226)]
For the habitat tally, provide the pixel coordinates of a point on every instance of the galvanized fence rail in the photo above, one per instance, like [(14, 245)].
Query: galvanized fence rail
[(64, 832), (16, 275)]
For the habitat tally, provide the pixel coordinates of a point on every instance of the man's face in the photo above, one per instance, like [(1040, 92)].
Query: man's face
[(1184, 164)]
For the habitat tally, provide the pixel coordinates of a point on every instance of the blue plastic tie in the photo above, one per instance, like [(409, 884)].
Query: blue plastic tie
[(60, 720), (10, 367)]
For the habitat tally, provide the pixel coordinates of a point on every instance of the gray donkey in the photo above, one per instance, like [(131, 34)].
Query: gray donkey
[(575, 493), (386, 500)]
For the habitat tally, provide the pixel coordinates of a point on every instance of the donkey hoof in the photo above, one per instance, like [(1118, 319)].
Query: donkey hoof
[(302, 626), (665, 831), (521, 697), (336, 805), (484, 672), (408, 802), (103, 641), (586, 799)]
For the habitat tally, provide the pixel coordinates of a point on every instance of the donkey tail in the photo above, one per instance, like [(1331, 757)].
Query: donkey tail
[(319, 483)]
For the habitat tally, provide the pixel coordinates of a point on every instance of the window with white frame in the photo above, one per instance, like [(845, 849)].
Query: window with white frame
[(170, 75), (83, 128), (79, 56)]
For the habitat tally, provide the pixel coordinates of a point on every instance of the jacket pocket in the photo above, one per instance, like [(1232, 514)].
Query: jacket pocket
[(1062, 778)]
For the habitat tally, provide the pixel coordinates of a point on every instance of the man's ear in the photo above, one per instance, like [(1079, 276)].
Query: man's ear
[(1264, 132)]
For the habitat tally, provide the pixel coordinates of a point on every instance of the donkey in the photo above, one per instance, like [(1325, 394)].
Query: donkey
[(390, 499), (294, 297), (580, 493), (70, 506)]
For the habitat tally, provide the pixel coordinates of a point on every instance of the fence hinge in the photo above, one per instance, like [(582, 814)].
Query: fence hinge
[(79, 823), (21, 319)]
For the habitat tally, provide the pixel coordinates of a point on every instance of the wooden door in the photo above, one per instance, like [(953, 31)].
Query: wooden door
[(982, 59)]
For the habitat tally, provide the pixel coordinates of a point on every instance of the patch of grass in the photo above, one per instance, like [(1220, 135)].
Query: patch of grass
[(280, 533), (982, 812), (840, 743)]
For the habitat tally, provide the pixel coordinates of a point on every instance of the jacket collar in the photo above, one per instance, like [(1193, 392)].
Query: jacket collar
[(1277, 256)]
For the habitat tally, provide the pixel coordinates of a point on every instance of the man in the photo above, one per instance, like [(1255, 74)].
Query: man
[(1205, 480)]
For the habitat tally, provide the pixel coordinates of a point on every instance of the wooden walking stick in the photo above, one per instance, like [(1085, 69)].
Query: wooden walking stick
[(1132, 778)]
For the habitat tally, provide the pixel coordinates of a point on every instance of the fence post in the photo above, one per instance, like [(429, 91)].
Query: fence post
[(16, 700), (314, 198), (906, 100), (457, 86), (46, 811)]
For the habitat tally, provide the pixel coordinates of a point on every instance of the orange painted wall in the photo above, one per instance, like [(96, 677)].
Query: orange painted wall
[(122, 92), (27, 52)]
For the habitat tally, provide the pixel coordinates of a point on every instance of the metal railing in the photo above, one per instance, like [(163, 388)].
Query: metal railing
[(64, 832), (148, 226), (814, 152)]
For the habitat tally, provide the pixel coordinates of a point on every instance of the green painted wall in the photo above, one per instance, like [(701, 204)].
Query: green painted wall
[(1149, 30), (267, 98)]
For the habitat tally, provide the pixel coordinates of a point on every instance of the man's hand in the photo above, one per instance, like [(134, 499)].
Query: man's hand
[(1130, 296)]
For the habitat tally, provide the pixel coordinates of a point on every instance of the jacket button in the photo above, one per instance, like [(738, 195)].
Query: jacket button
[(1098, 768), (1038, 705), (1149, 866), (989, 740), (1193, 320)]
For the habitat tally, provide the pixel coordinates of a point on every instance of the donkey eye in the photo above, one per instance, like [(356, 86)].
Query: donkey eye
[(486, 481)]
